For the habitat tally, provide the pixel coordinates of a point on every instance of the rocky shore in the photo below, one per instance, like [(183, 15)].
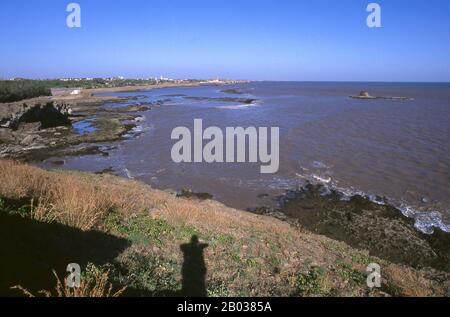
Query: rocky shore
[(363, 224), (38, 128)]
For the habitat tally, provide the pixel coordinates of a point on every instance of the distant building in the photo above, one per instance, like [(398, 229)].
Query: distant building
[(161, 78), (215, 81)]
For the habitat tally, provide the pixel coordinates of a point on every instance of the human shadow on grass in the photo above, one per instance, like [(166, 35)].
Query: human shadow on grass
[(193, 272), (30, 250), (194, 268)]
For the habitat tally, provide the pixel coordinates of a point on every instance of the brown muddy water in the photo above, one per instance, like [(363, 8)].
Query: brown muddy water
[(398, 149)]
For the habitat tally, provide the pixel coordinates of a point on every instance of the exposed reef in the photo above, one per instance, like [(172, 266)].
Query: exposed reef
[(39, 128), (367, 96), (363, 224)]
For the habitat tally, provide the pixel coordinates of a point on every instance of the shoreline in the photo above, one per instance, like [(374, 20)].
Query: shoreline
[(118, 124), (357, 220), (31, 141), (338, 237), (137, 88), (388, 228), (378, 226), (141, 88), (136, 231)]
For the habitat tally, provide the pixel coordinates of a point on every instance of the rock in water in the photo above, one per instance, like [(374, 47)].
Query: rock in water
[(364, 94)]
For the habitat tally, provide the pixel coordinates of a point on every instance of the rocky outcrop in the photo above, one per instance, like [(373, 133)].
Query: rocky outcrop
[(375, 226), (44, 127), (47, 113), (365, 95)]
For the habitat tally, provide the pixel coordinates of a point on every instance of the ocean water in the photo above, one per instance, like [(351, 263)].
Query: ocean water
[(398, 149)]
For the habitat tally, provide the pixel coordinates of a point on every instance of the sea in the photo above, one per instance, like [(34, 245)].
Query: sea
[(398, 149)]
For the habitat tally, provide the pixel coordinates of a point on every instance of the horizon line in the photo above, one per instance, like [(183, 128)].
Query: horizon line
[(247, 80)]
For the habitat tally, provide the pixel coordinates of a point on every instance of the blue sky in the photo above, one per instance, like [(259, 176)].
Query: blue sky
[(316, 40)]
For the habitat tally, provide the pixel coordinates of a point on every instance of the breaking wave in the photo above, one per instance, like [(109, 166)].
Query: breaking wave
[(425, 222), (239, 107)]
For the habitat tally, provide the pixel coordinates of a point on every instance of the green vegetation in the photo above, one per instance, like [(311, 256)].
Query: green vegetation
[(97, 83), (349, 274), (20, 89), (17, 90), (310, 283), (218, 289), (15, 208), (147, 275), (140, 229)]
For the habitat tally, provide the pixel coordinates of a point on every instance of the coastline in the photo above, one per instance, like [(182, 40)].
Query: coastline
[(30, 140), (376, 226), (384, 234), (117, 124), (143, 88), (132, 233)]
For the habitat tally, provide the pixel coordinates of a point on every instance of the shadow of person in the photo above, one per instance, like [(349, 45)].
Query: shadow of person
[(194, 269)]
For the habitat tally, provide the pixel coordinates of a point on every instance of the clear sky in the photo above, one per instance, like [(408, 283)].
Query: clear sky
[(315, 40)]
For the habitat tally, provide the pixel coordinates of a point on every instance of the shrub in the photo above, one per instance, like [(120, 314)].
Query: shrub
[(17, 90), (310, 283)]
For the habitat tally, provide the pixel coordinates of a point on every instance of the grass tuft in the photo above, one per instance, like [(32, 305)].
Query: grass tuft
[(94, 283), (310, 283)]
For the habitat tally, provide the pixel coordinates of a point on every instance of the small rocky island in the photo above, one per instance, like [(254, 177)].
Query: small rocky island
[(365, 95)]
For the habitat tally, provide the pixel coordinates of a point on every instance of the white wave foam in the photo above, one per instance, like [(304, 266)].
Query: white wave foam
[(140, 119), (239, 107), (128, 173), (138, 130), (425, 222), (322, 179)]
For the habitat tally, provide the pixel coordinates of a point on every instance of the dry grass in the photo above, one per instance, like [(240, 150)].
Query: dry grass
[(74, 199), (95, 284), (245, 249)]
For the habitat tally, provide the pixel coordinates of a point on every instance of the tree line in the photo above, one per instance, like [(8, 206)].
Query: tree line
[(16, 90), (20, 89)]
